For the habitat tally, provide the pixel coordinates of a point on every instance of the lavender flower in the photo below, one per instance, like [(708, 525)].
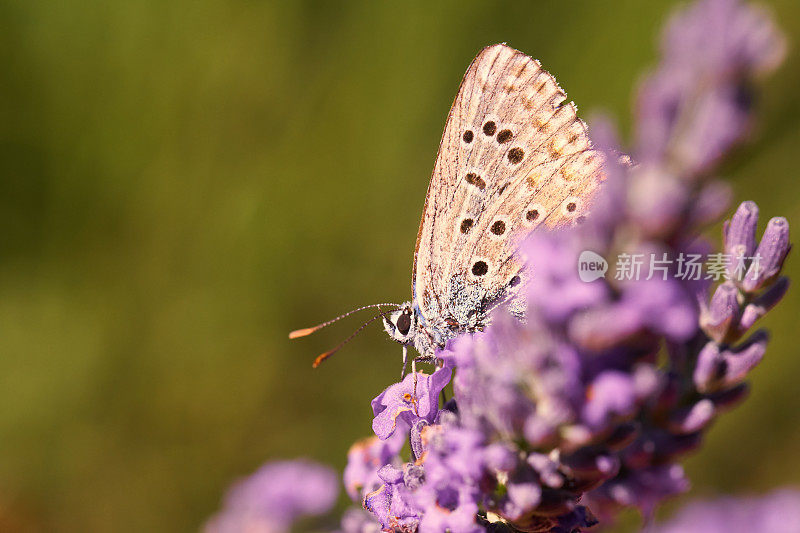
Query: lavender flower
[(778, 512), (574, 413), (277, 494)]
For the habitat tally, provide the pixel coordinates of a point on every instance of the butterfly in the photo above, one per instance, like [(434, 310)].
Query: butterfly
[(514, 157)]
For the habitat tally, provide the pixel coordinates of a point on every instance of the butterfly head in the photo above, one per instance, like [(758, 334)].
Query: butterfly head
[(401, 324)]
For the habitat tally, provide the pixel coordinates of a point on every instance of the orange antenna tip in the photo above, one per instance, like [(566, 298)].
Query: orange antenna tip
[(302, 332), (320, 358)]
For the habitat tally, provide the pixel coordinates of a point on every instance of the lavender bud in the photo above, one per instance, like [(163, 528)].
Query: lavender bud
[(719, 370), (708, 367), (740, 361), (693, 418), (769, 256), (740, 230), (721, 315)]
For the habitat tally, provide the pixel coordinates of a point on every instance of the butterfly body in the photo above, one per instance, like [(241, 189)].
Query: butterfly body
[(513, 157)]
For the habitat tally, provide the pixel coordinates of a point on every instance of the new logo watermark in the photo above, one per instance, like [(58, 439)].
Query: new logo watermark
[(686, 266), (591, 266)]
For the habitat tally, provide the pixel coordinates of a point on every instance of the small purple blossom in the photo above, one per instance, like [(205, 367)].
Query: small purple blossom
[(393, 502), (272, 498), (415, 398)]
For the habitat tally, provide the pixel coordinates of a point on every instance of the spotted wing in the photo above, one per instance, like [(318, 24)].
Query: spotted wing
[(514, 156)]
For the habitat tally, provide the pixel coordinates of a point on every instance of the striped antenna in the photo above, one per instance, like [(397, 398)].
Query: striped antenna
[(308, 331), (320, 358)]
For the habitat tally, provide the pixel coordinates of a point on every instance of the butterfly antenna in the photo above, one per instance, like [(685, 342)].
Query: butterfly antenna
[(308, 331), (320, 358)]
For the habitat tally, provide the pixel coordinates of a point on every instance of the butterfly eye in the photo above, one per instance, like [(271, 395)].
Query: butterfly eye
[(404, 323)]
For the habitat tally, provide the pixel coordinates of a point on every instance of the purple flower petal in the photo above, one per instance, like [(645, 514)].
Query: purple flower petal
[(414, 398)]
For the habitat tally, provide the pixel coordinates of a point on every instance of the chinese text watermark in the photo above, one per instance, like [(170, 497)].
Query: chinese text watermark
[(685, 266)]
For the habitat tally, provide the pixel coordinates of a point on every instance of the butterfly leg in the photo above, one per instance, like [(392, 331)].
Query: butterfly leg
[(405, 360)]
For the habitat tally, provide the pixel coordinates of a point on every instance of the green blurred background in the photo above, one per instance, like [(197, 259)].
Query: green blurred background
[(184, 182)]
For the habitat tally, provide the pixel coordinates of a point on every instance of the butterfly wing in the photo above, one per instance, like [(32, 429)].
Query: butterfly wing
[(514, 156)]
